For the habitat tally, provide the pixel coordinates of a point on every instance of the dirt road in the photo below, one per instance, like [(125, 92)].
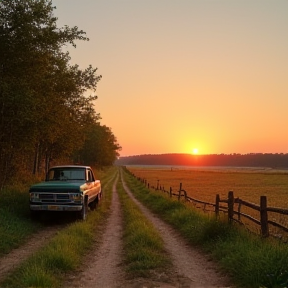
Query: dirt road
[(103, 268)]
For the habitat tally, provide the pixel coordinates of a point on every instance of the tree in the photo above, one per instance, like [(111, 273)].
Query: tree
[(43, 110), (100, 148)]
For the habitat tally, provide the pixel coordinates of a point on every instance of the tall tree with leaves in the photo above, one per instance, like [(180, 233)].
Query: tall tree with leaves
[(101, 147), (42, 104)]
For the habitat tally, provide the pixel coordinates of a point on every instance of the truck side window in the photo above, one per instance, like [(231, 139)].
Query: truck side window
[(90, 177)]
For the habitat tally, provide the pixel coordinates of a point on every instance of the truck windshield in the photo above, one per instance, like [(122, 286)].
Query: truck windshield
[(64, 174)]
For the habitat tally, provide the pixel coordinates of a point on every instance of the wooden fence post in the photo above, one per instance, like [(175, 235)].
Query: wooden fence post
[(217, 205), (185, 195), (170, 192), (264, 216), (239, 208), (230, 206), (179, 195)]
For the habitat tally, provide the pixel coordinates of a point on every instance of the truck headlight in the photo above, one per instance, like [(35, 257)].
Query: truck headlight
[(76, 197), (34, 196)]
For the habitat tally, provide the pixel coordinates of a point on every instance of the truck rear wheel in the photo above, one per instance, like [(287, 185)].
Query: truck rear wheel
[(93, 204)]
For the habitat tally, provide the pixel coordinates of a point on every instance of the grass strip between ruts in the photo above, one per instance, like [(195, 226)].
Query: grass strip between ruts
[(143, 246)]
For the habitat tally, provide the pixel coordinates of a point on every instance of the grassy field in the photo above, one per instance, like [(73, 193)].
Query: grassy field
[(205, 184), (247, 184)]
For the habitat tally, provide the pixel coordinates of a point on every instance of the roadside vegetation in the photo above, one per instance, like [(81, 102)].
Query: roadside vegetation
[(16, 225), (143, 246), (65, 251), (248, 259)]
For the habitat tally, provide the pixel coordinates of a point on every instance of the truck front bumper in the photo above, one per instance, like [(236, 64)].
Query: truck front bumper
[(37, 207)]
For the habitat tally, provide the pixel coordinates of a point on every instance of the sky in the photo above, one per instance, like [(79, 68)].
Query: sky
[(209, 76)]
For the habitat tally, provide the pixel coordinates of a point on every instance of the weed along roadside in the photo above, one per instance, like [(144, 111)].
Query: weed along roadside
[(250, 260)]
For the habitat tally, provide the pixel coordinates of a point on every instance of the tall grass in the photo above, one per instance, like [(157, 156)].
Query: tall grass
[(61, 255), (143, 246), (64, 253), (16, 225), (248, 259)]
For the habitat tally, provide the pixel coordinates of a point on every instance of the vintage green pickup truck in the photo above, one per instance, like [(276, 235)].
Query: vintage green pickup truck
[(66, 188)]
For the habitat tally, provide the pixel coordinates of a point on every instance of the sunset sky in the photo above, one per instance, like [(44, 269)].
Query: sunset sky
[(180, 75)]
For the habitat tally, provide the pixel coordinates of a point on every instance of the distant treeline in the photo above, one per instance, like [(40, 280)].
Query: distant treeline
[(239, 160)]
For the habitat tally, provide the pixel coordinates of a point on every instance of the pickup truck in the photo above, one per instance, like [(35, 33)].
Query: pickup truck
[(66, 188)]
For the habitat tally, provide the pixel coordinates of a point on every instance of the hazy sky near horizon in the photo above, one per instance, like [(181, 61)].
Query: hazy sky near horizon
[(185, 74)]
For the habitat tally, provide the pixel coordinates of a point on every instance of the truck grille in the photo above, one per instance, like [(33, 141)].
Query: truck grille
[(49, 197)]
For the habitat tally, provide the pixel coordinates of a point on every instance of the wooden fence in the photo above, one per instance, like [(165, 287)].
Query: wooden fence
[(233, 207)]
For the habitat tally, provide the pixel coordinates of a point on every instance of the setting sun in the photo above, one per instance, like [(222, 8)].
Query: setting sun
[(195, 151)]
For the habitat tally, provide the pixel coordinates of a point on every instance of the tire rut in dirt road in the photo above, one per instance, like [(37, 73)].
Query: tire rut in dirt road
[(17, 256), (102, 266), (192, 268)]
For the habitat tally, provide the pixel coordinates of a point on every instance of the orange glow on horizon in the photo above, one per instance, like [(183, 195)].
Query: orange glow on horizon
[(195, 151)]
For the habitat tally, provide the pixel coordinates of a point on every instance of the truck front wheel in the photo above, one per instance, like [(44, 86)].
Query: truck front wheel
[(83, 213)]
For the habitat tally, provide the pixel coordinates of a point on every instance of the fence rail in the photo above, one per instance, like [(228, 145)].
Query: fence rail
[(233, 207)]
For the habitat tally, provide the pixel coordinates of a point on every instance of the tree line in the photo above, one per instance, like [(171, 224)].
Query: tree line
[(267, 160), (47, 112)]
